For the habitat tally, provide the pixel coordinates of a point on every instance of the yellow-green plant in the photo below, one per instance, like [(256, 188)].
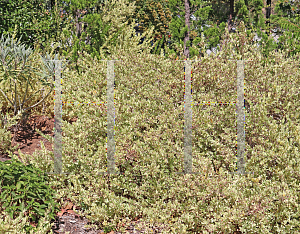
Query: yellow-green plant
[(5, 135), (16, 225), (149, 110)]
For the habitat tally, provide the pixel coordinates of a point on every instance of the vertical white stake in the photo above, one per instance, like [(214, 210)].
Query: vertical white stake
[(57, 120), (110, 118)]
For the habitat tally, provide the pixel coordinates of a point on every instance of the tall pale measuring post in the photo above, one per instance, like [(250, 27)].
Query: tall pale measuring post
[(57, 148), (187, 117), (57, 121), (188, 158), (110, 120), (240, 110), (240, 120)]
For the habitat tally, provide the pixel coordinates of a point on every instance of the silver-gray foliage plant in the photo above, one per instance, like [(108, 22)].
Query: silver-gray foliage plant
[(11, 51)]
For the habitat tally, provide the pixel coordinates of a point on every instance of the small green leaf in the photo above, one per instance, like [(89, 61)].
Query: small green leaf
[(19, 184)]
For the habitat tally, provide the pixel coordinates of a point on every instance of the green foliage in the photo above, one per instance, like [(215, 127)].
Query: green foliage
[(103, 29), (283, 20), (149, 141), (267, 44), (215, 13), (109, 228), (208, 13), (24, 188), (250, 12), (153, 13), (242, 10), (98, 30), (34, 22), (73, 8), (149, 138), (214, 33), (177, 26), (169, 29)]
